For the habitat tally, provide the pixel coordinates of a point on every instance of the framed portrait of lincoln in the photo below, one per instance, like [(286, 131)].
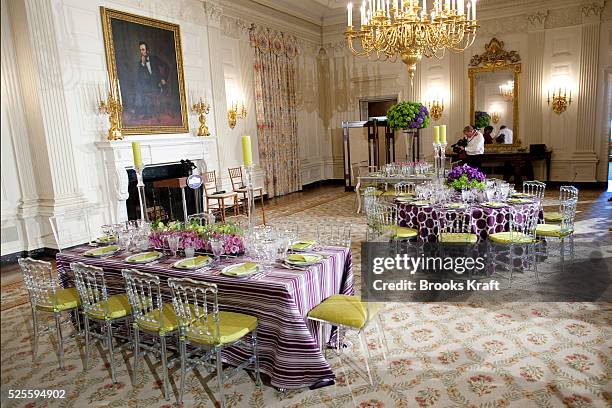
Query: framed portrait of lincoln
[(145, 66)]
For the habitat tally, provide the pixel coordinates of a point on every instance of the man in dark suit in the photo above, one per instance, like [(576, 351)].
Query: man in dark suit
[(151, 82)]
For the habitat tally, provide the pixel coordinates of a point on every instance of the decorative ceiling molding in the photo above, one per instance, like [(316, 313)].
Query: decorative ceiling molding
[(213, 11), (234, 27)]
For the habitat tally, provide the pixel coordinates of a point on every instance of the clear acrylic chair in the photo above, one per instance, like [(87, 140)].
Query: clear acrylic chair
[(382, 219), (151, 317), (71, 228), (201, 219), (203, 326), (454, 231), (47, 296), (404, 188), (348, 312), (534, 188), (565, 193), (562, 232), (334, 234), (100, 308), (520, 236)]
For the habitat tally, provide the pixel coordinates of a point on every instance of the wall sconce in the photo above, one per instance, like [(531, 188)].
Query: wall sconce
[(560, 100), (237, 111), (495, 117), (435, 108), (507, 90)]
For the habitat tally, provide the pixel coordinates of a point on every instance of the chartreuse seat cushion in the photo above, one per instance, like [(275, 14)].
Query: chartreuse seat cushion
[(64, 299), (389, 193), (458, 237), (345, 310), (167, 322), (403, 232), (552, 216), (232, 327), (552, 230), (511, 238), (375, 192), (116, 307)]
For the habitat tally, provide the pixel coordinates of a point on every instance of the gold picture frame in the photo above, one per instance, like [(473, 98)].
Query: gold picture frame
[(152, 88), (495, 59)]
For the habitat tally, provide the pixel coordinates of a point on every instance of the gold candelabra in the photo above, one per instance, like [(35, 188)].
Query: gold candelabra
[(560, 100), (113, 107), (202, 108), (435, 108), (389, 29), (237, 111)]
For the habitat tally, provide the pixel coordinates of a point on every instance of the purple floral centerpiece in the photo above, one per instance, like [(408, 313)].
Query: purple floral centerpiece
[(408, 115), (198, 236), (466, 177)]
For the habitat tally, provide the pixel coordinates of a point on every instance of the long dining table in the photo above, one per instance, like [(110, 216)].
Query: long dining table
[(288, 344)]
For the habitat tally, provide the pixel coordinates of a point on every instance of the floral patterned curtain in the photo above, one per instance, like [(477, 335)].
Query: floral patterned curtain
[(275, 103)]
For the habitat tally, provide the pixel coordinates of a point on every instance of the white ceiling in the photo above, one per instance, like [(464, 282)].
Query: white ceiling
[(324, 12)]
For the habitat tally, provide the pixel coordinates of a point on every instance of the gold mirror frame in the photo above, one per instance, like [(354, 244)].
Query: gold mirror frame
[(494, 59)]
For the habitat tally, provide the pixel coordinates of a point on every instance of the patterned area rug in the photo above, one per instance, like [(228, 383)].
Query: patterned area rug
[(474, 354)]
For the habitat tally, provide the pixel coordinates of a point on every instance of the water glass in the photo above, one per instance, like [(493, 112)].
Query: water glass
[(173, 244), (189, 249), (216, 245), (125, 239)]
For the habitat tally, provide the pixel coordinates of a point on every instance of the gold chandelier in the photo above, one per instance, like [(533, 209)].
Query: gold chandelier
[(389, 29), (507, 90)]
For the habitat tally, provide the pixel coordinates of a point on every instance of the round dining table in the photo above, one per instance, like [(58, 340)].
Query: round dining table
[(485, 220)]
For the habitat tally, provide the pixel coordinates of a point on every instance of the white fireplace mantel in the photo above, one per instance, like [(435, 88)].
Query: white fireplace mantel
[(118, 158)]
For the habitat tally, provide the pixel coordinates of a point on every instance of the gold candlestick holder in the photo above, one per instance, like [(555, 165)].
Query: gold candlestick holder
[(112, 107), (202, 108)]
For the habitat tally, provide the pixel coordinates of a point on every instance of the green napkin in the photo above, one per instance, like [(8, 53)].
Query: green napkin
[(456, 205), (519, 200), (304, 258), (406, 195), (102, 251), (494, 204), (524, 195), (420, 202), (107, 238), (144, 257), (301, 245), (244, 269), (193, 262)]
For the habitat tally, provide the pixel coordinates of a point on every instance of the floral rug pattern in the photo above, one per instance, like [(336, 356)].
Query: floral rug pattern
[(474, 354)]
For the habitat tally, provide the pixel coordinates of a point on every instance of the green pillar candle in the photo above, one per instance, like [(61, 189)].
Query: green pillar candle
[(436, 134), (443, 134), (137, 154), (247, 153)]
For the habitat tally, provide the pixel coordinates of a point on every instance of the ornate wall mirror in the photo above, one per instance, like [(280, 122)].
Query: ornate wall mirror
[(494, 94)]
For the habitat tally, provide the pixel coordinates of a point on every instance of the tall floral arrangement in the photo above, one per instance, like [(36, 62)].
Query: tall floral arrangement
[(466, 177), (481, 119), (408, 115), (198, 236)]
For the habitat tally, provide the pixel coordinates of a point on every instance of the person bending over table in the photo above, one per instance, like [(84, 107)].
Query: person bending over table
[(472, 147)]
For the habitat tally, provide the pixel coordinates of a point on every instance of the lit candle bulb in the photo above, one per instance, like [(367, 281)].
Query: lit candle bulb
[(473, 9), (424, 6), (469, 5), (460, 7), (350, 14)]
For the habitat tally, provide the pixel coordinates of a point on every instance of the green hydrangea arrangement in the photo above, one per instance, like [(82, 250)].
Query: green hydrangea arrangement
[(481, 119), (408, 115)]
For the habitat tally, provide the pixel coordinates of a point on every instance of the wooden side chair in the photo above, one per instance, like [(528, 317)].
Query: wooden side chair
[(216, 200), (239, 187)]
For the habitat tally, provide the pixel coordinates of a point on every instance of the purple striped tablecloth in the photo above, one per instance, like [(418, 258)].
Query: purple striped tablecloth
[(485, 220), (287, 342)]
